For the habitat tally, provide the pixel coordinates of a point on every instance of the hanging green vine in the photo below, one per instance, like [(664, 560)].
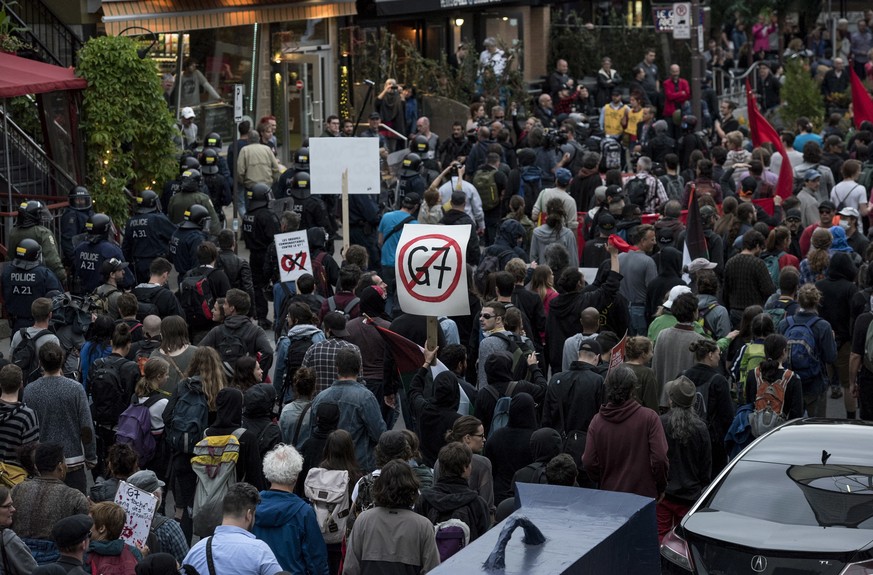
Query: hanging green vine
[(128, 127)]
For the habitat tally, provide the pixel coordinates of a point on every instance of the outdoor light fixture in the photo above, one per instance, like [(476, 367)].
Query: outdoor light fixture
[(459, 22)]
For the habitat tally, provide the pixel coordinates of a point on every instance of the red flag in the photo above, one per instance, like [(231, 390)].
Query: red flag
[(862, 105), (762, 132)]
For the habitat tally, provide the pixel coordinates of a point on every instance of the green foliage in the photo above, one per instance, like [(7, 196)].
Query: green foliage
[(24, 112), (9, 31), (128, 127), (801, 95)]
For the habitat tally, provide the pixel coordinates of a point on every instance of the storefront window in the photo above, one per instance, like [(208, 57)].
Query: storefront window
[(212, 62)]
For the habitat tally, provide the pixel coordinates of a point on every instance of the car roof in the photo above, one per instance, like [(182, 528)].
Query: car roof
[(806, 441)]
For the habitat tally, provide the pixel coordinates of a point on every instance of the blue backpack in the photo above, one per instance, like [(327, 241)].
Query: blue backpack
[(530, 183), (190, 417), (501, 409), (803, 355)]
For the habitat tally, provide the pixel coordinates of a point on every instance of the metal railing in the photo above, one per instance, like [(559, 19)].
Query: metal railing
[(733, 83), (50, 37)]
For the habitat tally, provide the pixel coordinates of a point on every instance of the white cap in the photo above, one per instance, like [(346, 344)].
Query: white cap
[(850, 212), (674, 293), (187, 112)]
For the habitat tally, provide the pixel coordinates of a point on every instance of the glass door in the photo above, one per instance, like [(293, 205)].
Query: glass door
[(304, 100)]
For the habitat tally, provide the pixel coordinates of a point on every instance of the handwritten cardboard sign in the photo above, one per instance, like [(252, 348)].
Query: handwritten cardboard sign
[(140, 507)]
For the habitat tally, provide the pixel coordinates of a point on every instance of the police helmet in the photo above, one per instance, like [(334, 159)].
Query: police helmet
[(213, 140), (98, 225), (28, 254), (188, 163), (196, 217), (31, 213), (419, 145), (209, 161), (259, 196), (412, 162), (190, 181), (147, 201), (80, 198), (299, 188), (301, 159)]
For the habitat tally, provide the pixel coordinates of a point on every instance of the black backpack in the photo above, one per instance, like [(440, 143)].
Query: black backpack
[(297, 348), (24, 355), (231, 347), (145, 305), (347, 310), (637, 190), (195, 294), (109, 398)]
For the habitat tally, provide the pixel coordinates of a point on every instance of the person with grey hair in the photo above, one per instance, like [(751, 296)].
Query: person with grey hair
[(492, 57), (644, 189), (286, 522), (626, 449)]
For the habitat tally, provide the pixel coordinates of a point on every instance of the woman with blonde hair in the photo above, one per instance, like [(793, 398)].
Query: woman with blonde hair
[(815, 265), (176, 350), (542, 282), (638, 353)]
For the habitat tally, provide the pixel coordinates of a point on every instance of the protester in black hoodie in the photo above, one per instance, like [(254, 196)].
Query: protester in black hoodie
[(312, 450), (498, 371), (451, 497), (545, 443), (228, 419), (614, 316), (508, 243), (435, 414), (258, 416), (669, 276), (457, 216), (509, 448)]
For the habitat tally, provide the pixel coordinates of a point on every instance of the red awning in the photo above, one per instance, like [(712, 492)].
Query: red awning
[(20, 76)]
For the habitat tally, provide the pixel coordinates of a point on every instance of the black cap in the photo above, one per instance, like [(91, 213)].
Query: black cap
[(72, 530), (112, 265), (411, 200), (664, 236), (336, 323), (613, 190), (827, 205), (793, 214), (749, 183), (375, 116), (591, 346), (606, 222)]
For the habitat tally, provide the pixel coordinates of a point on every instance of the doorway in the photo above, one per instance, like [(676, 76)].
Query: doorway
[(302, 84)]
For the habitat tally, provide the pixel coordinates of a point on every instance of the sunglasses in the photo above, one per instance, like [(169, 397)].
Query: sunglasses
[(487, 315), (825, 211)]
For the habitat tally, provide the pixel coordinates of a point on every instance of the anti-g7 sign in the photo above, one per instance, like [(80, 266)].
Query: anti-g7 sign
[(431, 270)]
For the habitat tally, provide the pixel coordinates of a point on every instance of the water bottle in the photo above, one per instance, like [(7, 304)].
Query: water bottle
[(235, 225)]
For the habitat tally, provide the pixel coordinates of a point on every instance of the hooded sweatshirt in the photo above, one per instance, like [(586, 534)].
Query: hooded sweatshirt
[(449, 495), (112, 548), (228, 418), (436, 415), (507, 245), (312, 450), (498, 370), (669, 276), (258, 416), (545, 443), (18, 426), (509, 448), (626, 450), (288, 525), (837, 290), (545, 235)]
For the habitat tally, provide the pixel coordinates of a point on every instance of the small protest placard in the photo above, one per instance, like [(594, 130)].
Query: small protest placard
[(140, 507), (292, 249)]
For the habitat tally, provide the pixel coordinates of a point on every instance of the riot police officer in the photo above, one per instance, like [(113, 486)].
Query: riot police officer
[(410, 179), (171, 188), (31, 215), (213, 142), (421, 146), (187, 238), (260, 225), (299, 199), (25, 280), (146, 235), (89, 255), (190, 193), (73, 221), (219, 185)]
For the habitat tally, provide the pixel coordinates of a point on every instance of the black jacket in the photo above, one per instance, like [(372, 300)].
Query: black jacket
[(258, 416), (719, 409), (249, 333), (531, 307), (545, 444), (669, 276), (437, 413), (450, 494), (509, 449), (690, 462), (573, 398), (837, 290), (499, 372), (460, 218), (228, 419)]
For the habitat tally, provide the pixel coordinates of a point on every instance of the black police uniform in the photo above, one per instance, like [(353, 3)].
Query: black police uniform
[(260, 226), (88, 256), (72, 225), (21, 286), (183, 248), (146, 237), (171, 188), (364, 225)]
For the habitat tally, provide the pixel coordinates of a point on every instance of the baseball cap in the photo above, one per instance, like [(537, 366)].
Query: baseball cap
[(811, 175), (72, 530), (664, 236), (606, 222), (336, 322), (591, 346), (850, 212), (699, 264), (375, 116), (827, 205), (563, 176), (112, 265), (674, 293), (613, 190), (146, 480), (411, 200), (188, 112), (793, 214)]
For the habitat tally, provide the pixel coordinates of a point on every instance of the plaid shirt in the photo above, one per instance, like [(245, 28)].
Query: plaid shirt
[(656, 196), (322, 358), (172, 540)]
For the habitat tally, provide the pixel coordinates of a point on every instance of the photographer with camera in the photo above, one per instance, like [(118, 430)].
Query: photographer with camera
[(457, 183), (392, 108)]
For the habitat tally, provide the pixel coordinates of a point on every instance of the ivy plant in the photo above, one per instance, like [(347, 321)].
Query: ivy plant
[(128, 127), (801, 95)]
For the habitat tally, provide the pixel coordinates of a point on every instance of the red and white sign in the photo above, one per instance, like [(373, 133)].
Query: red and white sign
[(299, 85), (430, 268), (292, 249), (617, 354)]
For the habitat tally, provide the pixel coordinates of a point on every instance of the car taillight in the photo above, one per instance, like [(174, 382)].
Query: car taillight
[(862, 568), (675, 550)]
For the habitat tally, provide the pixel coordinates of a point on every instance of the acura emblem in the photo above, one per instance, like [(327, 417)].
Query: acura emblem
[(759, 563)]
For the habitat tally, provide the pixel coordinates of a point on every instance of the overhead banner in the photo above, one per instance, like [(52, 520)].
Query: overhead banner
[(292, 251), (330, 157), (431, 272)]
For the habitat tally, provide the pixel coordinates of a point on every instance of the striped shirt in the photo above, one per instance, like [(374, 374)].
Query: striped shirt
[(18, 426)]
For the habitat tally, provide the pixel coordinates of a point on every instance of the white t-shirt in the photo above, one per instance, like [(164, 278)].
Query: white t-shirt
[(849, 194)]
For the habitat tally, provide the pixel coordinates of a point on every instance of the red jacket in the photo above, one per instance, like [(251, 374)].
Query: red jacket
[(626, 450), (675, 96)]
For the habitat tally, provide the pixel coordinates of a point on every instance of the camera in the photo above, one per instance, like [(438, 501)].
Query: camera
[(554, 139)]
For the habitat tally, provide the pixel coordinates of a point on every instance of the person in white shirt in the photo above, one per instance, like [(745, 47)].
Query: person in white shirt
[(849, 193)]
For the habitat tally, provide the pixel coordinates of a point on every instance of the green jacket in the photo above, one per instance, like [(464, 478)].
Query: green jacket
[(183, 201), (46, 239)]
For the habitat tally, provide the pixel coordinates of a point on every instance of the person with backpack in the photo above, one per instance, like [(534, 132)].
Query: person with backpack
[(782, 303), (752, 352), (714, 405), (714, 317), (237, 269), (27, 341), (344, 299), (498, 338), (105, 296), (295, 416), (811, 348), (165, 535), (508, 447), (153, 296), (837, 289), (127, 308), (563, 176), (259, 402), (286, 522), (491, 184), (238, 335), (459, 514), (690, 455), (292, 347), (545, 445), (25, 280), (771, 372), (199, 288), (233, 549), (412, 547), (146, 432)]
